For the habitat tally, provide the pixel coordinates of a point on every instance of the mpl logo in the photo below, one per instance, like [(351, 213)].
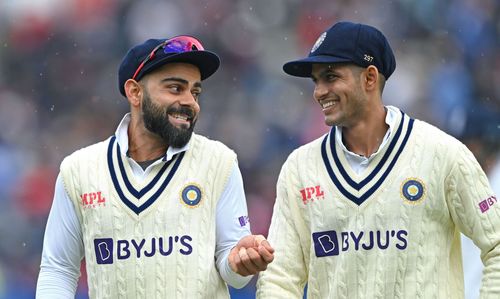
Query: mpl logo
[(309, 194), (93, 199), (331, 243)]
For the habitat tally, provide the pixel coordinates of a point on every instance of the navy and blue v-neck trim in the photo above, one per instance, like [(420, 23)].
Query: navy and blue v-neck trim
[(385, 164), (138, 194)]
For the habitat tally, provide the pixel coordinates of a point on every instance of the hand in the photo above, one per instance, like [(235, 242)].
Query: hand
[(252, 254)]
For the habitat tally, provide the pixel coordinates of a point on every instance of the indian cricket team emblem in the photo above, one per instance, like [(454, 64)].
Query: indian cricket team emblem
[(318, 42), (191, 195), (413, 190)]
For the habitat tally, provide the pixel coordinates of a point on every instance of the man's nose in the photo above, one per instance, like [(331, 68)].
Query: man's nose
[(320, 90), (188, 99)]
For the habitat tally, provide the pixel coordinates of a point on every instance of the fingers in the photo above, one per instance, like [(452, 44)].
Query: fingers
[(239, 264), (233, 260), (264, 248), (246, 259), (265, 244), (258, 240), (251, 260), (267, 253), (257, 260), (261, 241)]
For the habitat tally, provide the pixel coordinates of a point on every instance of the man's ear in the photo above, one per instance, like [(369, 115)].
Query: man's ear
[(372, 78), (133, 91)]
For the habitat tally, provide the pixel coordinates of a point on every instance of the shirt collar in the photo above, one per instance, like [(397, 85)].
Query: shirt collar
[(121, 134), (390, 119)]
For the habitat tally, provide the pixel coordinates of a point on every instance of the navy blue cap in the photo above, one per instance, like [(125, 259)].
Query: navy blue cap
[(206, 61), (360, 44)]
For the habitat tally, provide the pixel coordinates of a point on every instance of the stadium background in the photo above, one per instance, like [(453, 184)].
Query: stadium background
[(58, 89)]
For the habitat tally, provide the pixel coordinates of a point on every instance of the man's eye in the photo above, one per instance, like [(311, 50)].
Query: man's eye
[(196, 94), (175, 88), (331, 77)]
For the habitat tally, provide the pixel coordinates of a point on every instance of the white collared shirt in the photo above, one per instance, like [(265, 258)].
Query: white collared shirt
[(357, 162)]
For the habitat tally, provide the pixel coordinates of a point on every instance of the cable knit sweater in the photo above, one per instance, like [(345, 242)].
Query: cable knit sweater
[(392, 231)]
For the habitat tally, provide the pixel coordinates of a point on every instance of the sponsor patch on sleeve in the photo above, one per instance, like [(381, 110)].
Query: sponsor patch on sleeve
[(485, 205), (243, 220)]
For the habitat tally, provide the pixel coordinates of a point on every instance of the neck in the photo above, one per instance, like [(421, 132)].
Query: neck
[(142, 144), (365, 137)]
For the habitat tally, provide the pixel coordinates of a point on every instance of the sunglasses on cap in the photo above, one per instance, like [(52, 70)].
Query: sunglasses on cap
[(178, 44)]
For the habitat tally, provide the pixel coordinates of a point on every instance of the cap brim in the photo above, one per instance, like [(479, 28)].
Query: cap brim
[(206, 61), (303, 67)]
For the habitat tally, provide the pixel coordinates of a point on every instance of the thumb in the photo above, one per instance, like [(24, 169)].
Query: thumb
[(260, 240)]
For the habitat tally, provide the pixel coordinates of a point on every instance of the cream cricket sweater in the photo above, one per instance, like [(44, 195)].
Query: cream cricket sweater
[(392, 231), (150, 239)]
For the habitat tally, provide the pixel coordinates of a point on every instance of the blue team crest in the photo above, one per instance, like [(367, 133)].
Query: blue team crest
[(413, 190), (191, 195)]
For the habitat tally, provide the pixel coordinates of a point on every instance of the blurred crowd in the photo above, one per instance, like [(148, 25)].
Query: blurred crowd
[(59, 90)]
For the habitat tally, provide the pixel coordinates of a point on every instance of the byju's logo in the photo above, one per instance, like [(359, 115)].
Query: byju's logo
[(104, 250), (243, 220), (326, 243), (487, 203), (330, 243), (107, 248)]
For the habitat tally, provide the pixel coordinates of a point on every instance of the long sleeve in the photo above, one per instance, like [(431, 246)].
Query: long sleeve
[(231, 207), (286, 276), (62, 249), (476, 211)]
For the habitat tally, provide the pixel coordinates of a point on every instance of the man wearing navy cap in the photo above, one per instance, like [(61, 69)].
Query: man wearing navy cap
[(374, 208), (156, 210)]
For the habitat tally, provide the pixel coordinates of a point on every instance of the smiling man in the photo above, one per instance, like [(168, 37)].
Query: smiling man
[(375, 207), (156, 210)]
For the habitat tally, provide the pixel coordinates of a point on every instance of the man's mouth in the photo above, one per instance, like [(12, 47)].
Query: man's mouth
[(179, 116), (327, 104), (180, 119)]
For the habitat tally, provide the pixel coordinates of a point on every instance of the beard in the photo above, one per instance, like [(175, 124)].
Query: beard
[(156, 121)]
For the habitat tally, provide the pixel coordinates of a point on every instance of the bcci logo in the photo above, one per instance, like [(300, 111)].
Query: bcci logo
[(191, 195), (413, 190), (318, 42)]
